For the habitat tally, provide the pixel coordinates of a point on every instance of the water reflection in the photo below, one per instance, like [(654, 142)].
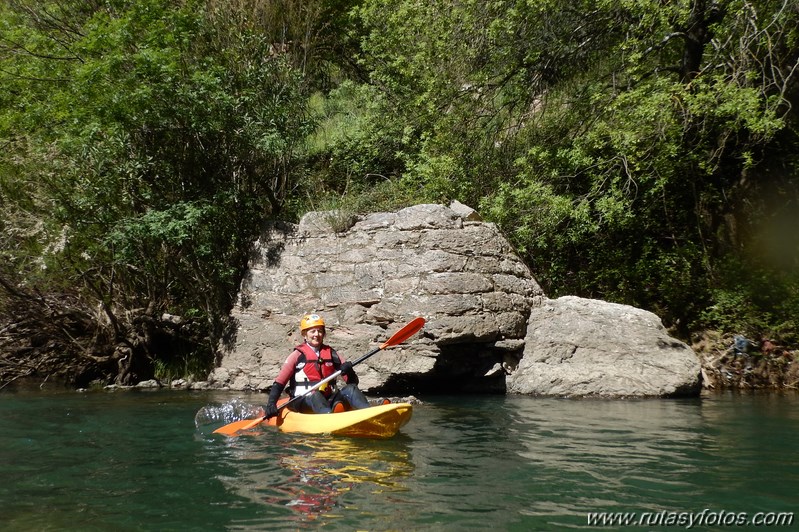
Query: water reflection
[(312, 478), (746, 439), (328, 468), (134, 461), (592, 451), (524, 464)]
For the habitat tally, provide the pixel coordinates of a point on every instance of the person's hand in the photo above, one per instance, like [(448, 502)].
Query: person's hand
[(346, 368), (270, 410)]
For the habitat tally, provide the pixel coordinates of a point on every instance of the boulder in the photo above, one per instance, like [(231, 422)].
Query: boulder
[(585, 347), (368, 276)]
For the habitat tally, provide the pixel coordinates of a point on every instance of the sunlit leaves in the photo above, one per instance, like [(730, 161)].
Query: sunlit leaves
[(595, 133), (147, 153)]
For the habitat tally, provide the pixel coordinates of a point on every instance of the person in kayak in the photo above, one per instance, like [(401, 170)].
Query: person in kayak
[(309, 363)]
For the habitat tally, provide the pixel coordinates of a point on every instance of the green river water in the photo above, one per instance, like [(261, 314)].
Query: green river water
[(134, 460)]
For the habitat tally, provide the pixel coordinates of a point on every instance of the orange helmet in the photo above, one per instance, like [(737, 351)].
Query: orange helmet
[(311, 320)]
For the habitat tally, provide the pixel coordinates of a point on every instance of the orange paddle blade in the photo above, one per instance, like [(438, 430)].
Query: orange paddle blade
[(406, 332), (245, 424)]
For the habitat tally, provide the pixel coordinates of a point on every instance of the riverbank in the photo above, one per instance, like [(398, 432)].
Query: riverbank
[(737, 363), (763, 366)]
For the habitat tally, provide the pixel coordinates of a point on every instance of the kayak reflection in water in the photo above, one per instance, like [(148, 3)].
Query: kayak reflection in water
[(323, 469), (306, 366)]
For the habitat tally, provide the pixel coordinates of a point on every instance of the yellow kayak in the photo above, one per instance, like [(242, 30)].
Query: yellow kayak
[(382, 421)]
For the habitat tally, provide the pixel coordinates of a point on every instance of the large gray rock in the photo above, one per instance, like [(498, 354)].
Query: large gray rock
[(585, 347), (489, 326), (370, 275)]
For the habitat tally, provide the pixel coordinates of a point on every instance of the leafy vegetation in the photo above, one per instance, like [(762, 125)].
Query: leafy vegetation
[(636, 151), (628, 149), (144, 143)]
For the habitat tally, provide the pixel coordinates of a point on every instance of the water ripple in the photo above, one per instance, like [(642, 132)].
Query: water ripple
[(138, 462)]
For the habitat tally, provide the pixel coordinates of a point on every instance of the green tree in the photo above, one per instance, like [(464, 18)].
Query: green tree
[(145, 143), (621, 145)]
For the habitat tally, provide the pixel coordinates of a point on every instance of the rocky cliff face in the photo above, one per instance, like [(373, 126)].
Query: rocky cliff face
[(488, 322)]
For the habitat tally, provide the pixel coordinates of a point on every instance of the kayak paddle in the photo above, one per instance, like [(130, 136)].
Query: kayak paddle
[(397, 338)]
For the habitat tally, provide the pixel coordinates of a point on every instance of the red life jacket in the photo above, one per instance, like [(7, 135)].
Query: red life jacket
[(311, 369)]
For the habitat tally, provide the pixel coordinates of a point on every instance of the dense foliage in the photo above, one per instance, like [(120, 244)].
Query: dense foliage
[(633, 151), (637, 151), (144, 142)]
